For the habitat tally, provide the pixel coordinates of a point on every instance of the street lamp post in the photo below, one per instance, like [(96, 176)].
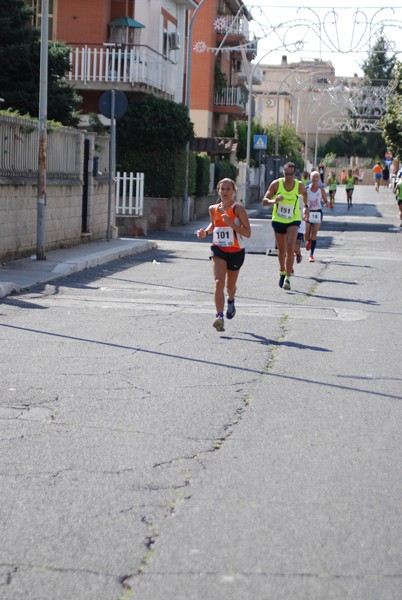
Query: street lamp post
[(187, 100), (277, 104), (43, 89), (250, 75), (298, 69)]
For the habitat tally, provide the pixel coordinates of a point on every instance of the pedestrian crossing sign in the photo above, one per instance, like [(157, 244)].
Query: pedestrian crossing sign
[(260, 142)]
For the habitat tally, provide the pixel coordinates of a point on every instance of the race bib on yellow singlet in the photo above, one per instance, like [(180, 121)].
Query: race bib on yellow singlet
[(314, 216), (285, 211), (223, 236)]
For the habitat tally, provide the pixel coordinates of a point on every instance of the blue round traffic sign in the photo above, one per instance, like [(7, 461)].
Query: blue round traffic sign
[(120, 104)]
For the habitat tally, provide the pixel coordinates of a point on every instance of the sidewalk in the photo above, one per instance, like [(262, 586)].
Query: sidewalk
[(17, 275)]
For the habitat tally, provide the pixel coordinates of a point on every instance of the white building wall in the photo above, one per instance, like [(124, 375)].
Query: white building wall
[(202, 120), (149, 13)]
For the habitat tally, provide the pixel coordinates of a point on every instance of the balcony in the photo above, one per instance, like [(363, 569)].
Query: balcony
[(231, 100), (231, 25), (234, 31), (127, 67)]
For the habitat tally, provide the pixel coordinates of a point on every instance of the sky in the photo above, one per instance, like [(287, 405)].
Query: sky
[(342, 34)]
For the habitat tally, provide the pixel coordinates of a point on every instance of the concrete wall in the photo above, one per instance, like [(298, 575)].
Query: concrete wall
[(162, 213), (18, 215)]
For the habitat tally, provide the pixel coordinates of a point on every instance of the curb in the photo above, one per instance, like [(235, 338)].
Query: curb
[(68, 267)]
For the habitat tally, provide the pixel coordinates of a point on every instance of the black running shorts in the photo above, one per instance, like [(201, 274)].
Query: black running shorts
[(234, 260)]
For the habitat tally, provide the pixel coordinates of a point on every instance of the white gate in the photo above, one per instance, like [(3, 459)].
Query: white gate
[(130, 194)]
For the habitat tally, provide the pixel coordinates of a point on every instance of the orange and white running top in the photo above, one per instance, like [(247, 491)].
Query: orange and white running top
[(225, 237)]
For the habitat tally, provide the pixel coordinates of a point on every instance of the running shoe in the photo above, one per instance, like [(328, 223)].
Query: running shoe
[(299, 258), (311, 258), (231, 310), (286, 285), (308, 245), (219, 324), (281, 278)]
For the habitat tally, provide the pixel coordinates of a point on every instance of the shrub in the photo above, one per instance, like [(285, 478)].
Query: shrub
[(152, 138), (202, 174)]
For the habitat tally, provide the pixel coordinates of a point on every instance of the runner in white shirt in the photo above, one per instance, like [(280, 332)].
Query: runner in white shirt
[(316, 196)]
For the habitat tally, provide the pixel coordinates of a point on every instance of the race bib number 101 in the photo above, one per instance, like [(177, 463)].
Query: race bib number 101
[(223, 236)]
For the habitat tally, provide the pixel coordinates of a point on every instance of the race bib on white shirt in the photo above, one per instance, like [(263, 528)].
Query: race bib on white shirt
[(285, 211), (223, 236), (314, 216)]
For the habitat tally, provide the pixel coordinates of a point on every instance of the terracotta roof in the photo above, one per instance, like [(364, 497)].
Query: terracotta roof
[(214, 145)]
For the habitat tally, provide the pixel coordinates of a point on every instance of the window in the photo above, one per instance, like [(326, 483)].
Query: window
[(37, 18)]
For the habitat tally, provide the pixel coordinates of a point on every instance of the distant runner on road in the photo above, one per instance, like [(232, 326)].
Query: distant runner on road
[(377, 171), (399, 198), (316, 196), (349, 187)]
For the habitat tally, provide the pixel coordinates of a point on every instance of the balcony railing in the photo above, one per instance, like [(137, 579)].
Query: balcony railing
[(111, 65), (232, 25), (233, 96)]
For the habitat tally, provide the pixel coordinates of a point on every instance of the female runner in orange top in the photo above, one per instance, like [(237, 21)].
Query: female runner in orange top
[(229, 223)]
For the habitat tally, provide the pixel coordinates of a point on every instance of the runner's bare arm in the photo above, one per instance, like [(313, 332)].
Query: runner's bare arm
[(270, 196)]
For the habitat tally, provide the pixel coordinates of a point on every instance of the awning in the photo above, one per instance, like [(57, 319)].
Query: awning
[(126, 22)]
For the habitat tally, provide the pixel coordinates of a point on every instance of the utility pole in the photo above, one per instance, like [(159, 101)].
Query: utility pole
[(43, 85)]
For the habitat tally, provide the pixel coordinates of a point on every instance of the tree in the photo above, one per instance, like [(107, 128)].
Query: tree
[(354, 143), (242, 130), (20, 67), (378, 66), (392, 120), (289, 143)]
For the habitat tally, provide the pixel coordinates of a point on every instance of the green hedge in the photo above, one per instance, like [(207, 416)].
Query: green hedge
[(164, 172), (223, 169), (202, 175)]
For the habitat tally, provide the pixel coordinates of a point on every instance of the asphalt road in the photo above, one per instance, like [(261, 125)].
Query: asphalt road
[(146, 456)]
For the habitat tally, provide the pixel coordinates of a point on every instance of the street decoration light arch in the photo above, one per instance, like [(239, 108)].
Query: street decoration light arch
[(293, 36), (360, 108), (327, 26)]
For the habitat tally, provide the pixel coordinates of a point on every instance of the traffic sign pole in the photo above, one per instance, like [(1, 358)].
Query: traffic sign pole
[(113, 105), (112, 146)]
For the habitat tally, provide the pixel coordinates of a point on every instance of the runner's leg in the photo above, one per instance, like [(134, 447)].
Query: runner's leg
[(219, 272)]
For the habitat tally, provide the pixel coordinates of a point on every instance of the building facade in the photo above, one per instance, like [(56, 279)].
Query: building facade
[(222, 51), (135, 46)]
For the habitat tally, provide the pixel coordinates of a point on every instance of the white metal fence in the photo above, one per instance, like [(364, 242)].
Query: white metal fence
[(19, 143), (130, 194), (138, 64)]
